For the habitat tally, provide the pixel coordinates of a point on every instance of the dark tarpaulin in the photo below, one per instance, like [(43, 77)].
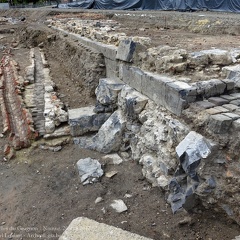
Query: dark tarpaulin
[(182, 5), (86, 4), (118, 4)]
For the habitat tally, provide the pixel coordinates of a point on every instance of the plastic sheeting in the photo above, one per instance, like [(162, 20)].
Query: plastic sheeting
[(181, 5)]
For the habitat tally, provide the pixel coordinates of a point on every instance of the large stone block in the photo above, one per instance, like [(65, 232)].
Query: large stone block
[(136, 75), (131, 102), (219, 123), (107, 91), (126, 50), (233, 73), (109, 137), (210, 88), (83, 120), (112, 68), (177, 94), (218, 56), (154, 87), (197, 59), (190, 151), (124, 73), (85, 228)]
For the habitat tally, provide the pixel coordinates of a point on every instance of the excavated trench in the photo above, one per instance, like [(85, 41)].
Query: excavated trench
[(64, 76)]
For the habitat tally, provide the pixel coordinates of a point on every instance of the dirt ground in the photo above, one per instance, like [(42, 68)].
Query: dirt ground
[(40, 190)]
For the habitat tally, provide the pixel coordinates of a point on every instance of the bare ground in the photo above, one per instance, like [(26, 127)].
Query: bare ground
[(40, 190)]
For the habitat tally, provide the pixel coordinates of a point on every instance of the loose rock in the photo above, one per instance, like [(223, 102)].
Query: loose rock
[(119, 206), (90, 170)]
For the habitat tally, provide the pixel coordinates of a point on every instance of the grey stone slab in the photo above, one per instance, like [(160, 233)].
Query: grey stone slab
[(218, 56), (233, 116), (218, 101), (236, 125), (136, 78), (126, 50), (86, 229), (125, 73), (112, 68), (107, 90), (205, 104), (213, 111), (236, 102), (236, 95), (231, 71), (219, 123), (222, 109), (228, 97), (197, 59), (210, 88), (131, 102), (230, 84), (154, 87), (83, 120), (231, 107)]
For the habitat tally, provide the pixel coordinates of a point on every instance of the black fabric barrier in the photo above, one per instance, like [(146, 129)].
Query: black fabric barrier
[(181, 5)]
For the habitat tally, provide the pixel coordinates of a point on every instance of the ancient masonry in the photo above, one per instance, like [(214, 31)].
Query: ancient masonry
[(175, 112), (157, 97)]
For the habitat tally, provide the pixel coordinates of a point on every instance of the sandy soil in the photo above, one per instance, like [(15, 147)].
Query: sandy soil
[(40, 190)]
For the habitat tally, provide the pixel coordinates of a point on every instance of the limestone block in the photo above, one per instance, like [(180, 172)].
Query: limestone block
[(154, 87), (231, 107), (85, 228), (210, 88), (218, 56), (233, 116), (107, 91), (131, 102), (195, 146), (112, 68), (233, 73), (135, 79), (109, 137), (83, 120), (230, 84), (124, 73), (197, 59), (228, 97), (205, 104), (218, 101), (219, 123), (176, 96), (190, 151), (126, 50)]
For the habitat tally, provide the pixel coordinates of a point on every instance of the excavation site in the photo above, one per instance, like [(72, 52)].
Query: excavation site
[(119, 124)]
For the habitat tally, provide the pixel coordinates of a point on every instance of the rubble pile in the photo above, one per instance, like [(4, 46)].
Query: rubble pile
[(105, 31)]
